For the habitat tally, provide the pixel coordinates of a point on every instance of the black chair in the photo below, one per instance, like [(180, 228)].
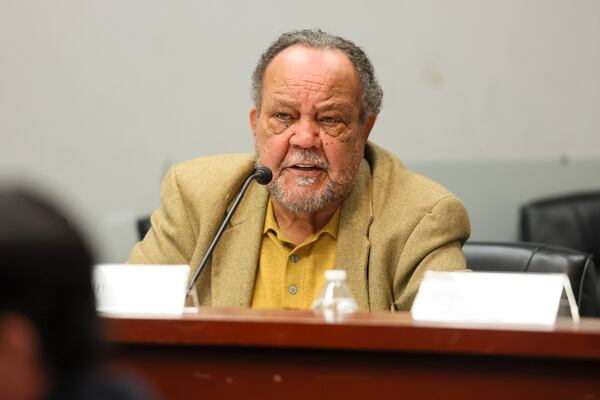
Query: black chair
[(570, 221), (143, 226), (532, 257)]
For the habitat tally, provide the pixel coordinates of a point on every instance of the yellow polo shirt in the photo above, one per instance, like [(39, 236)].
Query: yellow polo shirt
[(291, 276)]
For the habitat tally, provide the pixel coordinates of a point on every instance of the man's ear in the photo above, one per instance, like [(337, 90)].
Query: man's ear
[(253, 118), (369, 123)]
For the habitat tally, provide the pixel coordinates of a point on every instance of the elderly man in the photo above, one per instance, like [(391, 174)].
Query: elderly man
[(335, 201)]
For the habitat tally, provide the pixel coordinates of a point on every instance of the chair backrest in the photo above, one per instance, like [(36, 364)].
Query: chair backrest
[(535, 257), (570, 221), (143, 226)]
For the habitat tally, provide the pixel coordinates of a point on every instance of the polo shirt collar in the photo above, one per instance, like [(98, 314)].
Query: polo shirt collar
[(271, 223)]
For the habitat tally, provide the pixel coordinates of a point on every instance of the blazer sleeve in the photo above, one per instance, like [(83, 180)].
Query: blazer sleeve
[(434, 244), (171, 238)]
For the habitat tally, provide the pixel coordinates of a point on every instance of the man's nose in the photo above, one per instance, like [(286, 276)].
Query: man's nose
[(306, 134)]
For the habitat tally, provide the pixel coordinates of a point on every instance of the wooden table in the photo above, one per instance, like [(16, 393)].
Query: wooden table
[(243, 353)]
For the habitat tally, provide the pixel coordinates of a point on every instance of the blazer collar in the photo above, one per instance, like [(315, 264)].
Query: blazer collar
[(235, 259), (353, 245)]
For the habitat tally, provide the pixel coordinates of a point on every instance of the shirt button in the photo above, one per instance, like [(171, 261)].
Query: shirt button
[(293, 289), (294, 258)]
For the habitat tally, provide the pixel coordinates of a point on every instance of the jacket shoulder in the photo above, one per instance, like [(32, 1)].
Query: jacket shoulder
[(400, 193), (217, 175), (214, 165), (391, 178)]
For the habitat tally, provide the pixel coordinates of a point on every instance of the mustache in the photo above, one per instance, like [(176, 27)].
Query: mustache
[(305, 156)]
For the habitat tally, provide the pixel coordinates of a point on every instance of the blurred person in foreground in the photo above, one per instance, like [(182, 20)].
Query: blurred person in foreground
[(49, 328), (336, 200)]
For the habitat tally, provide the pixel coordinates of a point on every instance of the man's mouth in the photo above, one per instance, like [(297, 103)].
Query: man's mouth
[(305, 167)]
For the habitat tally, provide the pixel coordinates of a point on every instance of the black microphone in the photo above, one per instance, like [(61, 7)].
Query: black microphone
[(263, 175)]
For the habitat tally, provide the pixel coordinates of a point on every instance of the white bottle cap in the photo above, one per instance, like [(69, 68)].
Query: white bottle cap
[(335, 275)]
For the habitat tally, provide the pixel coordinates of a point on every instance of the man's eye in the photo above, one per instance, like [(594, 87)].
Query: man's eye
[(330, 120), (283, 116)]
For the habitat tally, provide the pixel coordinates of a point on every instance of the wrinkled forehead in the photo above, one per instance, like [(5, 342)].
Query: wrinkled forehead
[(312, 68)]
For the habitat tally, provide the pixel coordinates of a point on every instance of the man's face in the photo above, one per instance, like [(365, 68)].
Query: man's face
[(308, 130)]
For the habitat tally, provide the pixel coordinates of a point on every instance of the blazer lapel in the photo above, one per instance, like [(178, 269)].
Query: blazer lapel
[(235, 259), (353, 245)]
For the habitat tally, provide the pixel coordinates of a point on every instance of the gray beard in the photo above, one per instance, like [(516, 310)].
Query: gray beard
[(308, 205), (316, 202)]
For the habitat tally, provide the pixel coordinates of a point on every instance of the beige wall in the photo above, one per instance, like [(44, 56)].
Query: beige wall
[(98, 98)]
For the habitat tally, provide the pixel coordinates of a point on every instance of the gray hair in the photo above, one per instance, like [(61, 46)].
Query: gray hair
[(371, 91)]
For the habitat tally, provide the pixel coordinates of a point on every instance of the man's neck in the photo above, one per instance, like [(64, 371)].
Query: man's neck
[(298, 226)]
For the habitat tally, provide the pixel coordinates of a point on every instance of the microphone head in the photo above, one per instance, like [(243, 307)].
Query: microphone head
[(263, 175)]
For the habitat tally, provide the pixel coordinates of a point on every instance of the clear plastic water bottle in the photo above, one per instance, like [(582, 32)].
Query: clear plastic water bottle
[(334, 300)]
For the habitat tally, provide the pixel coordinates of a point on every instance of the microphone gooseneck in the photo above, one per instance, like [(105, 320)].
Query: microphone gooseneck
[(263, 176)]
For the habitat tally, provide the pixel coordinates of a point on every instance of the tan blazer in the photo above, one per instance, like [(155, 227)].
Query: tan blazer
[(394, 226)]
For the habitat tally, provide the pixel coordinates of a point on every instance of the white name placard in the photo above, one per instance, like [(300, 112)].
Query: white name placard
[(493, 298), (141, 289)]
